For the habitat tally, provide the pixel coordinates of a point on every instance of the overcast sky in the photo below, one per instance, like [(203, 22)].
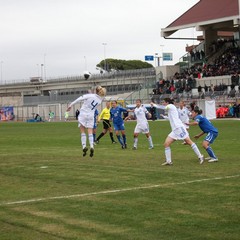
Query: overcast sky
[(67, 30)]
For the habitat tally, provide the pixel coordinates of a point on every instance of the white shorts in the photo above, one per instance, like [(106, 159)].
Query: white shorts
[(86, 121), (142, 128), (186, 126), (179, 133)]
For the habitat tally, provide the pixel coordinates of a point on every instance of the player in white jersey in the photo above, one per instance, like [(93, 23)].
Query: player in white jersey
[(86, 116), (184, 114), (179, 132), (142, 124)]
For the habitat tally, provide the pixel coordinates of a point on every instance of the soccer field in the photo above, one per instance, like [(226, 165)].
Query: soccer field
[(49, 191)]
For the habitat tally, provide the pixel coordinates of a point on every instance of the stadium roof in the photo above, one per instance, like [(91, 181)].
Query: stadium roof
[(205, 12)]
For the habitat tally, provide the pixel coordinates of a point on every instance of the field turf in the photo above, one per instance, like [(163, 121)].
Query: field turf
[(49, 191)]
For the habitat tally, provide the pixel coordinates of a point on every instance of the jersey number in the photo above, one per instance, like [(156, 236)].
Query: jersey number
[(93, 104)]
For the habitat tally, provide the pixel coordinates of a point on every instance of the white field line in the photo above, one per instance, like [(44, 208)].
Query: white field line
[(81, 195)]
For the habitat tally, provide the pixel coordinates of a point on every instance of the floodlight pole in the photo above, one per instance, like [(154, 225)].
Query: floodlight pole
[(45, 71), (104, 53), (1, 71)]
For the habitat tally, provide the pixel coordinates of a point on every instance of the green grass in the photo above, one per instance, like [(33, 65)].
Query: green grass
[(45, 160)]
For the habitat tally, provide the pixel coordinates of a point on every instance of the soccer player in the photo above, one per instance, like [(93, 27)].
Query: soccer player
[(207, 128), (118, 123), (95, 125), (51, 116), (142, 124), (105, 115), (66, 115), (86, 116), (184, 115), (179, 132)]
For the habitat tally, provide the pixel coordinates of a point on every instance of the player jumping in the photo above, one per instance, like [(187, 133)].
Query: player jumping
[(86, 116)]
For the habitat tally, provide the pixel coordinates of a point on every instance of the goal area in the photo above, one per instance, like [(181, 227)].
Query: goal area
[(53, 110)]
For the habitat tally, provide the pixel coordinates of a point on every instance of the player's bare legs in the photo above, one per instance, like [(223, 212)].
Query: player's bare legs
[(168, 155), (83, 140), (194, 148), (149, 140), (135, 136), (90, 138)]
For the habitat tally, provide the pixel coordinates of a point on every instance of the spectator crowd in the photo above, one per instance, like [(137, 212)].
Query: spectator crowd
[(232, 110), (227, 64)]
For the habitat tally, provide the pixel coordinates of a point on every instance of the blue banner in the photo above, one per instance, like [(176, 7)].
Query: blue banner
[(149, 58)]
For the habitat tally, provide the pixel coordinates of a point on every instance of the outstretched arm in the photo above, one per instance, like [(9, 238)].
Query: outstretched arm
[(81, 98), (192, 123), (199, 135), (165, 117), (128, 118)]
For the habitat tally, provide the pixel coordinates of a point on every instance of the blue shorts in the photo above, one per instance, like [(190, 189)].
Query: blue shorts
[(211, 136), (118, 126)]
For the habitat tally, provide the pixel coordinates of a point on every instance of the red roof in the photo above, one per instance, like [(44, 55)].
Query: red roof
[(207, 10)]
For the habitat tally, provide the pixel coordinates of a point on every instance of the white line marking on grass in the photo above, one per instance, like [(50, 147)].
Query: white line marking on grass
[(114, 191)]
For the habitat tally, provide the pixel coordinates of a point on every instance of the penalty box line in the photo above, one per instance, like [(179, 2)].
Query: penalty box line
[(81, 195)]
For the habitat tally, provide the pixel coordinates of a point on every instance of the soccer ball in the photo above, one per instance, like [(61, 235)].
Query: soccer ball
[(87, 75)]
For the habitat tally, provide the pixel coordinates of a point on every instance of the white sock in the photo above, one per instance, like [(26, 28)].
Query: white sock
[(135, 142), (90, 138), (150, 141), (168, 154), (83, 140), (196, 150)]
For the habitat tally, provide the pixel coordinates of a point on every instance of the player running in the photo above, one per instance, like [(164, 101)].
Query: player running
[(118, 123), (179, 132), (86, 116), (105, 115), (142, 124), (184, 115), (206, 127)]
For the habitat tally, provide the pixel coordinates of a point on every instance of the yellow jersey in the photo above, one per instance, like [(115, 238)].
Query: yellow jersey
[(105, 114)]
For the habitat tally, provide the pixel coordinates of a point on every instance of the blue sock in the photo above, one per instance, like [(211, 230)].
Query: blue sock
[(94, 137), (210, 152), (120, 139), (124, 139)]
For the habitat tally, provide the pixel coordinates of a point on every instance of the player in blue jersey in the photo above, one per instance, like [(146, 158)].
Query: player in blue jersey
[(207, 128), (95, 125), (118, 123)]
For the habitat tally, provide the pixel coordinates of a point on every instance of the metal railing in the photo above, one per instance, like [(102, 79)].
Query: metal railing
[(107, 75)]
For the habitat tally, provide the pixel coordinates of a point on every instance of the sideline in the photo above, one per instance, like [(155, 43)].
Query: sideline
[(113, 191)]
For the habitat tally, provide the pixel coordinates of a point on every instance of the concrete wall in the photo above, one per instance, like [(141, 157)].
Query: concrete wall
[(11, 101), (214, 81)]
